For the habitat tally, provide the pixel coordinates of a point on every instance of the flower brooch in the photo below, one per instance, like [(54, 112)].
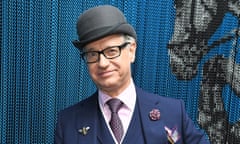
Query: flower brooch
[(154, 114)]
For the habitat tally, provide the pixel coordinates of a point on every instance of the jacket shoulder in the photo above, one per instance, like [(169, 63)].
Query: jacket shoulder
[(80, 106), (156, 98)]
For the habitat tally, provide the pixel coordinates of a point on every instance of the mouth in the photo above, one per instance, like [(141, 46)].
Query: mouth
[(105, 73)]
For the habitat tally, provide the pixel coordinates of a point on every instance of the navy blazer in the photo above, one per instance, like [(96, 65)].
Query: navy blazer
[(83, 117)]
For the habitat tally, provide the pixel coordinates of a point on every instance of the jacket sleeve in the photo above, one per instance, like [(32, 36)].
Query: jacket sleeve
[(191, 134)]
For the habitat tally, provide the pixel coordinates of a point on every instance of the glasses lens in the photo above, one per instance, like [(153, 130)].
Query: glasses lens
[(90, 57), (111, 52)]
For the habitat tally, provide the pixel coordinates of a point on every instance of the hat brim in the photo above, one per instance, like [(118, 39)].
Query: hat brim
[(123, 28)]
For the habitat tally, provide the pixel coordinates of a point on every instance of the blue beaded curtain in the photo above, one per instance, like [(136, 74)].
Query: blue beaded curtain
[(42, 73)]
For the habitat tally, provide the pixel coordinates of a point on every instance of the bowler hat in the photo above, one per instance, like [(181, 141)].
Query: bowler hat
[(98, 22)]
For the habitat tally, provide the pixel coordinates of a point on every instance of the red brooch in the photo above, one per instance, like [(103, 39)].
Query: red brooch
[(154, 114)]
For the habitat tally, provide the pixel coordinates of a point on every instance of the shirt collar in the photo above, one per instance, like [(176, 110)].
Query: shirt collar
[(128, 97)]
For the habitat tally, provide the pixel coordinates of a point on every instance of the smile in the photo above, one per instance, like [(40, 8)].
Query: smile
[(105, 73)]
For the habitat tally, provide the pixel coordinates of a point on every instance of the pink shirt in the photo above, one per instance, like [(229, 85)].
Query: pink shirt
[(128, 97)]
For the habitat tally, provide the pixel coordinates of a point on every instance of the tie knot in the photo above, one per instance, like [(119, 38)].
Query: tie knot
[(114, 105)]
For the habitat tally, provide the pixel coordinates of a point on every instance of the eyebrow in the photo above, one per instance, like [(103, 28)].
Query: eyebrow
[(85, 49)]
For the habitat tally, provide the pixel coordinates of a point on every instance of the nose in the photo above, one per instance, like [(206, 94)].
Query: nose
[(103, 61)]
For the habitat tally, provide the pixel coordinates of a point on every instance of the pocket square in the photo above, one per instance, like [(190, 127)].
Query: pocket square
[(172, 134)]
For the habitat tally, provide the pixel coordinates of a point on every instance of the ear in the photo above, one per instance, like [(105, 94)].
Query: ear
[(132, 51)]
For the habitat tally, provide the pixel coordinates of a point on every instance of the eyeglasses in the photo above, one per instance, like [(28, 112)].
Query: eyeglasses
[(109, 53)]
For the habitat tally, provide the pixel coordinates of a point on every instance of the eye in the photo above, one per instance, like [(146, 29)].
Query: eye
[(111, 51), (92, 54)]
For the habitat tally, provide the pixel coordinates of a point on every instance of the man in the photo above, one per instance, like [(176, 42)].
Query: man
[(119, 112)]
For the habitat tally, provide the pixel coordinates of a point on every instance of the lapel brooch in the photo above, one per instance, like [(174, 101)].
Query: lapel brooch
[(84, 130), (154, 114), (172, 135)]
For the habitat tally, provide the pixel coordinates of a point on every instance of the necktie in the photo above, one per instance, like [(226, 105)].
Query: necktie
[(115, 122)]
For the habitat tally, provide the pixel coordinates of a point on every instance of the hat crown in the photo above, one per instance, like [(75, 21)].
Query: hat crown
[(97, 18)]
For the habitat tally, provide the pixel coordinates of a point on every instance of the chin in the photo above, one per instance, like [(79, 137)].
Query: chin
[(108, 85)]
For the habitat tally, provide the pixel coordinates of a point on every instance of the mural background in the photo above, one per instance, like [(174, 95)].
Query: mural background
[(187, 49)]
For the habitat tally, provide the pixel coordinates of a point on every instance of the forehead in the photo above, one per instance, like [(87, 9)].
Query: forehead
[(108, 41)]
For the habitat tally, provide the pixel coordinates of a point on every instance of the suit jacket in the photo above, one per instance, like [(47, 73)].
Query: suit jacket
[(78, 124)]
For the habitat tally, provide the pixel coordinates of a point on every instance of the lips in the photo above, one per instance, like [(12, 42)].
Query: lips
[(106, 73)]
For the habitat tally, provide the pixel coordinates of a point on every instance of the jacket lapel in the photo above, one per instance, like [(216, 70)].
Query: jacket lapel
[(154, 131), (93, 120), (87, 119), (104, 136)]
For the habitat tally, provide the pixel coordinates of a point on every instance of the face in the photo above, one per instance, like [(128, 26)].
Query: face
[(112, 76)]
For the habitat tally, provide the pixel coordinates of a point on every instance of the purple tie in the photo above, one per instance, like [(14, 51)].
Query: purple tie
[(115, 122)]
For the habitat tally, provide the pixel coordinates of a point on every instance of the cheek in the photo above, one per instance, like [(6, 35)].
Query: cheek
[(125, 64), (128, 56)]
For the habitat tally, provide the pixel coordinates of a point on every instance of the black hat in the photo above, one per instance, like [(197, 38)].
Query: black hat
[(101, 21)]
